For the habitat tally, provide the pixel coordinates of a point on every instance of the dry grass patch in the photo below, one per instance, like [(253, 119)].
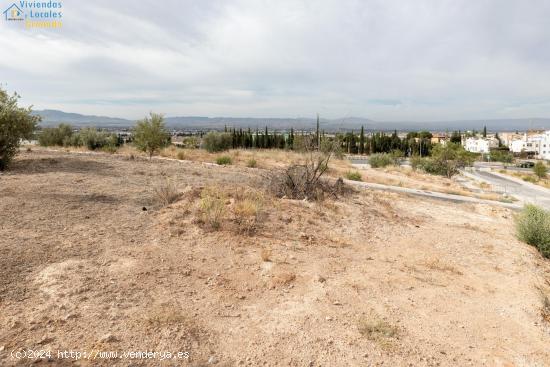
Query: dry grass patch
[(248, 210), (378, 330), (165, 315), (212, 207), (165, 193), (242, 211), (283, 279), (265, 254), (437, 264), (545, 309)]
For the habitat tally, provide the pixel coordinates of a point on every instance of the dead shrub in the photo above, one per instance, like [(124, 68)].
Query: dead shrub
[(212, 207), (305, 180), (166, 193)]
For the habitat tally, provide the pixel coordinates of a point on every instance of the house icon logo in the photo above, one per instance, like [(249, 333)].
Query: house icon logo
[(13, 13)]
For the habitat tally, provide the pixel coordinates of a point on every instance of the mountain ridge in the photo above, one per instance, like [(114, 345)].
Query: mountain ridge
[(53, 117)]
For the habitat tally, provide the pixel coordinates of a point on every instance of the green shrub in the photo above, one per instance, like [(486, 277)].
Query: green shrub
[(381, 160), (503, 156), (540, 170), (16, 123), (97, 140), (397, 157), (417, 162), (354, 176), (150, 135), (224, 160), (531, 179), (52, 136), (533, 227), (446, 160), (92, 139), (251, 163), (72, 141), (216, 142)]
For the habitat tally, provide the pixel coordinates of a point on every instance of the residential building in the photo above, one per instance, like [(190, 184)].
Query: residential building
[(480, 145), (439, 139), (534, 143), (544, 146)]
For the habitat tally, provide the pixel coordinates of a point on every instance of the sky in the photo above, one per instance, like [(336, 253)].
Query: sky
[(386, 60)]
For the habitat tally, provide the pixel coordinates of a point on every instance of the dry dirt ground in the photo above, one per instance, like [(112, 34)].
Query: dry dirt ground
[(365, 279)]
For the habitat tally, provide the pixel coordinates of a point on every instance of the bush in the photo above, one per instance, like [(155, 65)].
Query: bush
[(52, 136), (417, 162), (304, 181), (150, 134), (354, 176), (224, 160), (503, 156), (379, 160), (88, 137), (16, 123), (72, 141), (446, 160), (251, 163), (533, 227), (540, 170), (96, 140), (216, 142), (397, 157), (180, 155)]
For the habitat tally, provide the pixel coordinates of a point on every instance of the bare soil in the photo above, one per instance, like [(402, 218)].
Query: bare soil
[(89, 262)]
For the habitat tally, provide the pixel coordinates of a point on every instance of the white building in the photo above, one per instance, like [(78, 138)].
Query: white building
[(480, 145), (544, 146), (536, 144), (517, 146)]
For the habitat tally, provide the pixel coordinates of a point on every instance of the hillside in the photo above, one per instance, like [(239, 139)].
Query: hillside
[(92, 261), (54, 117)]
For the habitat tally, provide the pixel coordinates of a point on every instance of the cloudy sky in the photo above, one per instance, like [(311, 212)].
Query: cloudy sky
[(384, 60)]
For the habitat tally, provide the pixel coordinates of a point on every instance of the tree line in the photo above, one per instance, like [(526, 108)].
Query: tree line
[(414, 143)]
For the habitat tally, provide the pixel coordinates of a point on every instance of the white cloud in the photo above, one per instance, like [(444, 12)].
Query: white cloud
[(386, 60)]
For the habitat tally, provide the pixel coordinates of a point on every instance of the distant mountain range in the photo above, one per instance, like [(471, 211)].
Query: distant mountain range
[(54, 117)]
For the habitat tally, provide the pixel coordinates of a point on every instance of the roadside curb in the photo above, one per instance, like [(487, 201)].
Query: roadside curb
[(431, 194), (521, 182)]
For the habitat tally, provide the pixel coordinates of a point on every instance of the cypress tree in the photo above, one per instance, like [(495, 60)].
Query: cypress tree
[(317, 136), (362, 141)]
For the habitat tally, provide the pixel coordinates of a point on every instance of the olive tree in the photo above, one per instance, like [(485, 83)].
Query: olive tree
[(16, 123), (150, 135)]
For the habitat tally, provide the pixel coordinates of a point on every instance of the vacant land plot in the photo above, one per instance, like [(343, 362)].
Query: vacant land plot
[(92, 260)]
